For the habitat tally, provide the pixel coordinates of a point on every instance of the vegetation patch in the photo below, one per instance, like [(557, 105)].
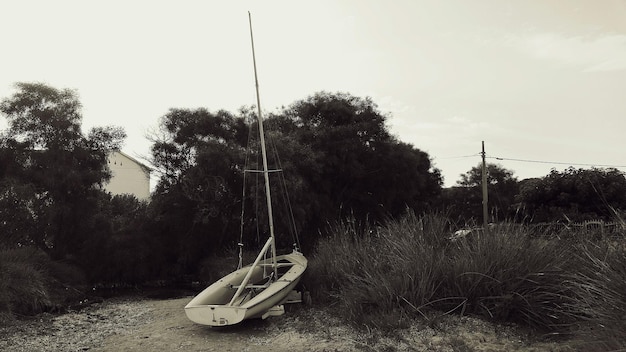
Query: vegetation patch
[(554, 268), (31, 283), (409, 268)]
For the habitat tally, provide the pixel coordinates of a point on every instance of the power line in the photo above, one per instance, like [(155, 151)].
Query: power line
[(462, 156), (555, 162)]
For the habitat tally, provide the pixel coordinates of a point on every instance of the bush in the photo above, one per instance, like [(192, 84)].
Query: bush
[(600, 289), (31, 283), (506, 275), (410, 268), (119, 251), (215, 267), (372, 272)]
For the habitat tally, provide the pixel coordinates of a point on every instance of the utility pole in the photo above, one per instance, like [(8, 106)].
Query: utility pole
[(485, 194)]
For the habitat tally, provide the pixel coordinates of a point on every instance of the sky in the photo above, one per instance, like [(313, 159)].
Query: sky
[(542, 83)]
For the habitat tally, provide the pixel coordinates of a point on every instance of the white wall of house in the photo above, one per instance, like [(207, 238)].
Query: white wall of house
[(128, 176)]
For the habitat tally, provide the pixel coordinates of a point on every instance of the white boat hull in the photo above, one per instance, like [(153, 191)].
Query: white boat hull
[(213, 305)]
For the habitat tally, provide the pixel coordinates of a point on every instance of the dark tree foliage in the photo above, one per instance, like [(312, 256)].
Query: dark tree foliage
[(120, 249), (574, 194), (43, 117), (53, 173), (464, 201), (336, 157), (362, 170), (342, 162), (18, 201), (197, 202), (293, 196)]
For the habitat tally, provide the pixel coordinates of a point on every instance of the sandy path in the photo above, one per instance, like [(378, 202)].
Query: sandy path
[(169, 330), (313, 330), (161, 325)]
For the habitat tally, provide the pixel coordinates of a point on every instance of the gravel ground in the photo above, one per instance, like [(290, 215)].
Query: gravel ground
[(75, 331), (161, 325)]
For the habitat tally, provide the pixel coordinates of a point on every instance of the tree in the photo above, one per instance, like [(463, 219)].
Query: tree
[(362, 171), (574, 194), (197, 201), (337, 160), (56, 170), (43, 117), (121, 248), (465, 200)]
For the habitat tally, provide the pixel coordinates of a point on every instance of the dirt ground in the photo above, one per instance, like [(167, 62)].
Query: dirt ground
[(161, 325)]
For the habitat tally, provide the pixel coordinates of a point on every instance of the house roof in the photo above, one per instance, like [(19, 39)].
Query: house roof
[(142, 165)]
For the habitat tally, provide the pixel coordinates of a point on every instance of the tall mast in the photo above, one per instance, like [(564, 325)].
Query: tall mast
[(268, 196)]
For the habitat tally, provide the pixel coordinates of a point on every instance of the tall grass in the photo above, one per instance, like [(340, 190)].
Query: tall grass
[(410, 268), (31, 283), (22, 287), (372, 271), (601, 294), (507, 275)]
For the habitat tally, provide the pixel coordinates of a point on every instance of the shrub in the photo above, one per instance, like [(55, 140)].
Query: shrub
[(215, 267), (374, 271), (31, 283), (23, 289), (409, 267), (507, 275), (600, 289)]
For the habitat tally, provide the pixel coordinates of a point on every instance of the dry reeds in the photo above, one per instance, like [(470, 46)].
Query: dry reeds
[(407, 268)]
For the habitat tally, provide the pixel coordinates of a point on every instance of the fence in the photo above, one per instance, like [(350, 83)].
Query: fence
[(601, 227), (597, 228)]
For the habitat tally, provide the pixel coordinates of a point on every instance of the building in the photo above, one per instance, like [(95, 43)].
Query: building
[(128, 176)]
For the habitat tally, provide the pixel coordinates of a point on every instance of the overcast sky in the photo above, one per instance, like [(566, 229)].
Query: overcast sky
[(539, 81)]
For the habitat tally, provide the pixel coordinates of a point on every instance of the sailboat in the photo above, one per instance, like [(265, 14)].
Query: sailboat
[(258, 290)]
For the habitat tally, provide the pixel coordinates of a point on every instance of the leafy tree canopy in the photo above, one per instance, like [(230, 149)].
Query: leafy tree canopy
[(576, 194), (52, 168), (363, 169), (464, 201), (336, 155), (496, 175)]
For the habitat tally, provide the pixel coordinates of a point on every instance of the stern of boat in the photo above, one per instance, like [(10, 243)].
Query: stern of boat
[(215, 315)]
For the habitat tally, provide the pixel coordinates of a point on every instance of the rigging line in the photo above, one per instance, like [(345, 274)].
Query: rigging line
[(292, 218), (256, 194), (253, 155), (243, 197), (285, 193), (554, 162)]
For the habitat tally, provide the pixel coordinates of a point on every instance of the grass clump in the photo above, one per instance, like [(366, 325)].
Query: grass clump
[(371, 272), (506, 275), (600, 288), (407, 268), (31, 283)]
